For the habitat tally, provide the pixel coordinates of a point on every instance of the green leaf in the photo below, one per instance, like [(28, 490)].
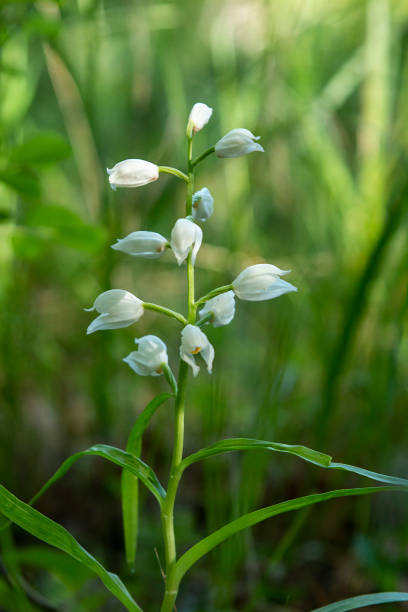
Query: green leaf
[(120, 457), (130, 483), (54, 534), (312, 456), (25, 183), (252, 518), (394, 480), (362, 601), (68, 227), (234, 444), (43, 148)]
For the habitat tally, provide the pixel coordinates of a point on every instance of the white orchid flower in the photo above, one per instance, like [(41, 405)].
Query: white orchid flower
[(184, 235), (203, 204), (194, 341), (199, 117), (236, 143), (118, 308), (132, 173), (261, 282), (149, 245), (150, 357), (221, 307)]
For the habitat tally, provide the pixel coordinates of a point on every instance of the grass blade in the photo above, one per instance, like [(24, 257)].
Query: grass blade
[(252, 518), (130, 482), (361, 601), (54, 534)]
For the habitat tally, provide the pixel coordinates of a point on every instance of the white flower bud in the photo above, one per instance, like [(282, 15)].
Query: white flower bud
[(261, 282), (150, 357), (236, 143), (132, 173), (203, 204), (149, 245), (194, 341), (118, 308), (184, 235), (199, 117), (221, 307)]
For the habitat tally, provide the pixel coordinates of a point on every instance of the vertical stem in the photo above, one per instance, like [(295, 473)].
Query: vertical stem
[(189, 209), (167, 513)]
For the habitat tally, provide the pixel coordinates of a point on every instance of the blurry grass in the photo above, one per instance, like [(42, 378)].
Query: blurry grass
[(325, 86)]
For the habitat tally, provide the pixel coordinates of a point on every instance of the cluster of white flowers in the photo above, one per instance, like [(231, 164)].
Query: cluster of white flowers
[(119, 308)]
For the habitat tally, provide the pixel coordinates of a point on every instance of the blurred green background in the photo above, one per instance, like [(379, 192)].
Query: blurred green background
[(87, 83)]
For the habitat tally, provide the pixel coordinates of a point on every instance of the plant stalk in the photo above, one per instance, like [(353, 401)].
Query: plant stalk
[(167, 510)]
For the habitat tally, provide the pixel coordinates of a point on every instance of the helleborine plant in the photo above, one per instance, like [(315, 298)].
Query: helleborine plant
[(119, 308)]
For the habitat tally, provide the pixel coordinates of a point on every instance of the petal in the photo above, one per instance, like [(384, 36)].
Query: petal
[(197, 243), (105, 321), (189, 359), (207, 354)]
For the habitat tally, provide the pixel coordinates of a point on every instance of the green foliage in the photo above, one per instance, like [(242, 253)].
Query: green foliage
[(43, 148), (130, 482), (362, 601), (325, 85), (50, 532)]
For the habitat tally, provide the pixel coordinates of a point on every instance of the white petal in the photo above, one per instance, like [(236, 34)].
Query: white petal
[(148, 245), (184, 234), (197, 243), (118, 308), (222, 308), (189, 359), (208, 355), (199, 116), (203, 204), (132, 173)]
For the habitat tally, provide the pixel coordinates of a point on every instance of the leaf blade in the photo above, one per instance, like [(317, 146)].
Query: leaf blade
[(56, 535), (233, 444), (130, 482), (361, 601), (198, 550)]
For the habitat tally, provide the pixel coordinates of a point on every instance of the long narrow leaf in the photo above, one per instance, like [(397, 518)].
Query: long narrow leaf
[(394, 480), (130, 482), (307, 454), (252, 518), (54, 534), (234, 444), (120, 457), (361, 601)]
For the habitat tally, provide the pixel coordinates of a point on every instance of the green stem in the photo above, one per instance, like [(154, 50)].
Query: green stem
[(167, 510), (166, 311), (212, 294), (205, 319), (174, 171), (202, 156)]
